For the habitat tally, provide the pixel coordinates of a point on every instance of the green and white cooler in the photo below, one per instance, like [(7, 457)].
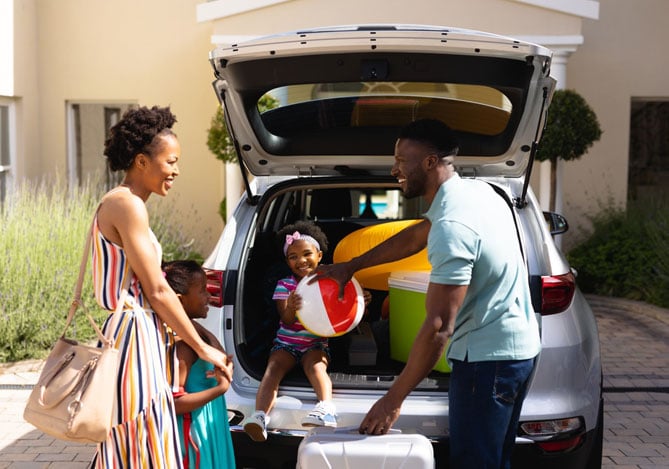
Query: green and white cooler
[(406, 291)]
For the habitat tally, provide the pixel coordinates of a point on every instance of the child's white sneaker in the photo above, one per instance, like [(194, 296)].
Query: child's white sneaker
[(255, 426), (323, 415)]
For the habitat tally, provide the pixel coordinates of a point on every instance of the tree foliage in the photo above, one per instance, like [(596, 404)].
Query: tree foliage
[(218, 137), (571, 128)]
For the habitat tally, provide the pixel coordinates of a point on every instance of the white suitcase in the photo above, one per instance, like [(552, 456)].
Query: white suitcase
[(345, 448)]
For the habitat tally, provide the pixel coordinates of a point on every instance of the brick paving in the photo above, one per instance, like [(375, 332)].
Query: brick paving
[(635, 355)]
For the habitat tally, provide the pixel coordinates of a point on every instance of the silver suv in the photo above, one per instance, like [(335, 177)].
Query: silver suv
[(323, 152)]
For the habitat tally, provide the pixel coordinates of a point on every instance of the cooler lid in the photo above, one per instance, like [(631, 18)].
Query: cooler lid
[(412, 280)]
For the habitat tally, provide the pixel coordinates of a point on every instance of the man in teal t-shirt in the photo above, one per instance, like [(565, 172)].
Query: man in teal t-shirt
[(478, 296), (473, 242)]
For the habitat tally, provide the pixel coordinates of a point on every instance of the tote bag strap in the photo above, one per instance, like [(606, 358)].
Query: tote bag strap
[(76, 301)]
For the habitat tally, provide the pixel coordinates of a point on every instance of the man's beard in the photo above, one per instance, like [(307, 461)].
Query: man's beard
[(413, 188)]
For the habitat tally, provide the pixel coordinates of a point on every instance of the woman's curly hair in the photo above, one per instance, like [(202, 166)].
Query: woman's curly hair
[(304, 227), (136, 133)]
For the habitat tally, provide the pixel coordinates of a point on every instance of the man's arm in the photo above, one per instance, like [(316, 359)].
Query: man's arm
[(407, 242), (442, 304)]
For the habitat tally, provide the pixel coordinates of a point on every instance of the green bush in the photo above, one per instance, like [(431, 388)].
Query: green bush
[(571, 128), (627, 253), (42, 233)]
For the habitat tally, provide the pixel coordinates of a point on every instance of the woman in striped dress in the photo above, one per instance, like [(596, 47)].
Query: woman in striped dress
[(144, 433)]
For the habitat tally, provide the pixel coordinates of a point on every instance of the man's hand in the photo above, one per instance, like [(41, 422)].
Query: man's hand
[(383, 414), (340, 272)]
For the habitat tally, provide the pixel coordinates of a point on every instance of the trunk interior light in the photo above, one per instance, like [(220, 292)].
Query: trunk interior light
[(215, 287), (557, 292), (555, 435)]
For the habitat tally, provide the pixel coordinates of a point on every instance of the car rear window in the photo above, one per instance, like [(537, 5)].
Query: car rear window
[(465, 108), (363, 117)]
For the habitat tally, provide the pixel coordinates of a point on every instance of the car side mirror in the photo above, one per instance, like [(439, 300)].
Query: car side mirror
[(557, 224)]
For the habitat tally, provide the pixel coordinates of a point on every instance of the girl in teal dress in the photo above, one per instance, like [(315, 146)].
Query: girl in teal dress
[(202, 415)]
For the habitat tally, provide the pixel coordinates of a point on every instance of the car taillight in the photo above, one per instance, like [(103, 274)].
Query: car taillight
[(555, 435), (560, 445), (215, 287), (557, 292)]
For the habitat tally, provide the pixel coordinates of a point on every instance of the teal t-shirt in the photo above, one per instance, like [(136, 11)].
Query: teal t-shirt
[(473, 241)]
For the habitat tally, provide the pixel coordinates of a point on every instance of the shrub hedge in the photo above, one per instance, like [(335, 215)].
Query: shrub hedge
[(627, 253)]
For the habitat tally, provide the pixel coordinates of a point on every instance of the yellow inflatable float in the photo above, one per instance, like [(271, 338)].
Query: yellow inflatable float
[(364, 239)]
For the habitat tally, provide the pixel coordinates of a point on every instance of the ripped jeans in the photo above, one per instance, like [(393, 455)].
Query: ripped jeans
[(485, 399)]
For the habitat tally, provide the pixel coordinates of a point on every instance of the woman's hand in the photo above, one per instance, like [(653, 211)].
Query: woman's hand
[(221, 377), (220, 360)]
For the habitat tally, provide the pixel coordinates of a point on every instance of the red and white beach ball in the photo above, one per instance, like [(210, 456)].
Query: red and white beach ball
[(323, 313)]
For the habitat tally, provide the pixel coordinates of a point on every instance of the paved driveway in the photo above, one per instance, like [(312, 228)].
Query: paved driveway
[(635, 353)]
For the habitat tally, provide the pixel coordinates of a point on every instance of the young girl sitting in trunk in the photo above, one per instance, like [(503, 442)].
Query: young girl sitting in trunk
[(303, 245)]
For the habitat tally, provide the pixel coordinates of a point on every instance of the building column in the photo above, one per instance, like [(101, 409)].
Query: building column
[(559, 72), (234, 188)]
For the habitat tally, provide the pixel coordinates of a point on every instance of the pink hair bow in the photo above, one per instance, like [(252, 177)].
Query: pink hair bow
[(291, 238)]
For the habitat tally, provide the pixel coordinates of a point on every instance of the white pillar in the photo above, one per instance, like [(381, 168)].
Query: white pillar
[(234, 186), (559, 72), (544, 189)]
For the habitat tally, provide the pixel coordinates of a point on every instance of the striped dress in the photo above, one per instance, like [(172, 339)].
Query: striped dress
[(144, 432)]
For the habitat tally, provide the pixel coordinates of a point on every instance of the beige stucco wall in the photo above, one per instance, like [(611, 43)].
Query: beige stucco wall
[(25, 95), (623, 56), (6, 48), (145, 52), (498, 16)]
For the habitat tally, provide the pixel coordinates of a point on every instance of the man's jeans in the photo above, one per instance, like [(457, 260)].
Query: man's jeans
[(485, 399)]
